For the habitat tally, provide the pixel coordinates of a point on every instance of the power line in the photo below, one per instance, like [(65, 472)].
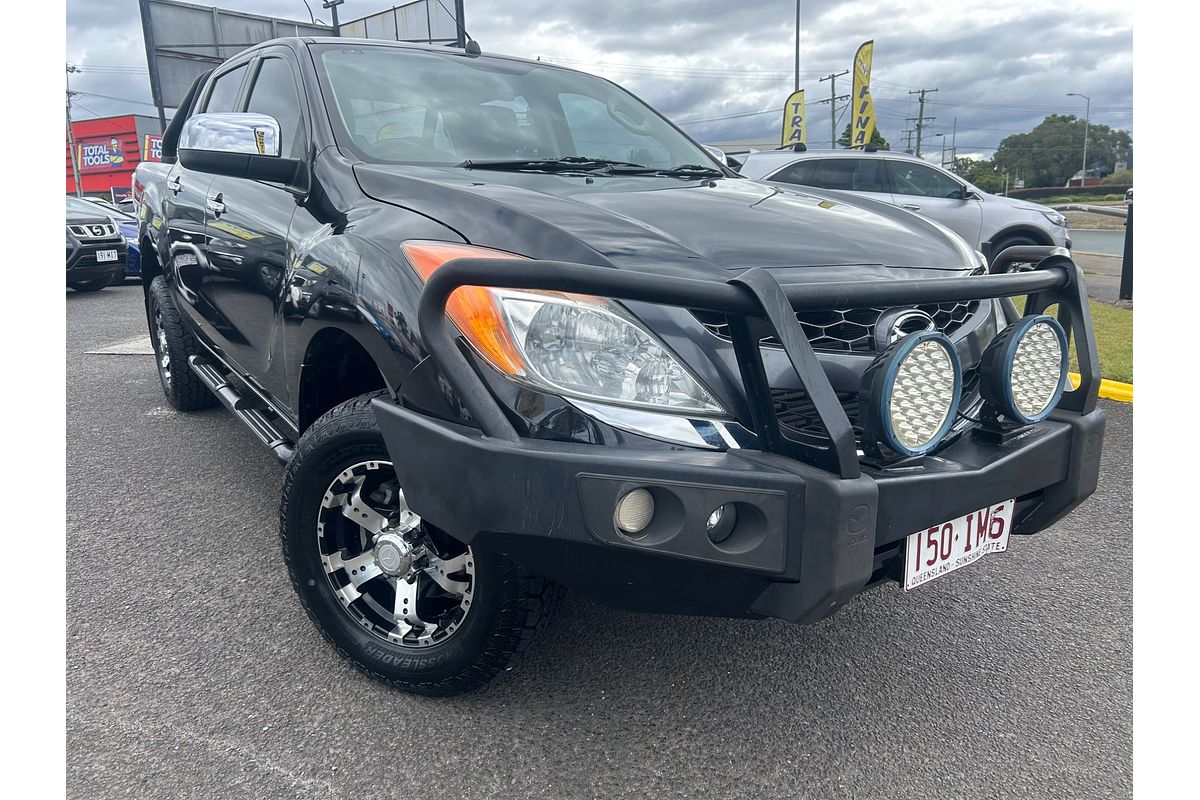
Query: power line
[(111, 97)]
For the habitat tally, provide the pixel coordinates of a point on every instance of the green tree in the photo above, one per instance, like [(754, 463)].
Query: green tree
[(1053, 151), (978, 171), (876, 139)]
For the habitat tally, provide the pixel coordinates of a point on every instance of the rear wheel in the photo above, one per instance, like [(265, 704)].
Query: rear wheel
[(173, 345), (403, 601)]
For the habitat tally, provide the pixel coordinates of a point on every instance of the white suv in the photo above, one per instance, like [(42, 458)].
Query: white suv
[(988, 222)]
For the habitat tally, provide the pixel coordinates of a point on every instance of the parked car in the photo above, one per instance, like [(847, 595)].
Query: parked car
[(1129, 196), (128, 225), (96, 249), (988, 222), (527, 334)]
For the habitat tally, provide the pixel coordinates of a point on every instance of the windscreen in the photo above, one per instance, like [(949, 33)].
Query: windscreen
[(410, 106)]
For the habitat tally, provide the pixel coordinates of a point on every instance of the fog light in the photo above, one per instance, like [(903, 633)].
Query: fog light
[(910, 394), (721, 522), (1024, 369), (634, 511)]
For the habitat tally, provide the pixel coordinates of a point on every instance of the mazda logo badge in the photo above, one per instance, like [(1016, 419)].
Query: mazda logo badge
[(896, 325)]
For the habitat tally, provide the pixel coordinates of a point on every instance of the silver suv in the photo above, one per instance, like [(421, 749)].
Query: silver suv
[(914, 184)]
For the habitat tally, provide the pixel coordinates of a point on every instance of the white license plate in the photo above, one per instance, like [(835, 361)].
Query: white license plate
[(943, 548), (106, 255)]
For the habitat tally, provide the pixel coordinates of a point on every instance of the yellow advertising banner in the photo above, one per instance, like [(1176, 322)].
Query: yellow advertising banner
[(794, 127), (862, 125)]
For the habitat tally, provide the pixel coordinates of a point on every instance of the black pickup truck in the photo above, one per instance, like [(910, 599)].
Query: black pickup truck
[(511, 330)]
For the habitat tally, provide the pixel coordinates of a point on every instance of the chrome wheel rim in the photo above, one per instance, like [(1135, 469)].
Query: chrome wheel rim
[(403, 582), (162, 349)]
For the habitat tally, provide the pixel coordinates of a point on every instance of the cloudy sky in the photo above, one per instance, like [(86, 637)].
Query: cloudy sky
[(722, 68)]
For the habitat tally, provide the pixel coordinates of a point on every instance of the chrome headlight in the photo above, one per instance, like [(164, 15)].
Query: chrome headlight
[(571, 345), (910, 393), (1054, 217), (591, 348), (1023, 371)]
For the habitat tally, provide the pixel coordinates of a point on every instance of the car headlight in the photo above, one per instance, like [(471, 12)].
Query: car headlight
[(568, 344), (1054, 217), (1023, 371), (910, 393)]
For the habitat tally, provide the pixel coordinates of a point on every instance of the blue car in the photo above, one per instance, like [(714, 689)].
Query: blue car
[(128, 225)]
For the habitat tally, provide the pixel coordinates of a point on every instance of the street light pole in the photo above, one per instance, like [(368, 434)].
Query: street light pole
[(332, 6), (1087, 118), (796, 88)]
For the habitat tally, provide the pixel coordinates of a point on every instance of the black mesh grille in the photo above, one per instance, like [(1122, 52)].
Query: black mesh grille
[(851, 330), (796, 411)]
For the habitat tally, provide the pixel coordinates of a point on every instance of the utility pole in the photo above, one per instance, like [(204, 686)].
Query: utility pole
[(833, 98), (796, 88), (908, 140), (332, 6), (921, 119), (71, 133), (954, 142)]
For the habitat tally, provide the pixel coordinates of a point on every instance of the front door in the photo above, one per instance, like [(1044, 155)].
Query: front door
[(934, 194), (247, 237)]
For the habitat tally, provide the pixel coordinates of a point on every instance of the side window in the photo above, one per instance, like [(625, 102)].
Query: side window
[(922, 181), (851, 174), (600, 132), (275, 95), (224, 94), (802, 172)]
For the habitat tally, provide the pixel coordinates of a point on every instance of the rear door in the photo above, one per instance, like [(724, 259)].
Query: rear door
[(247, 232), (861, 176), (186, 199), (934, 194)]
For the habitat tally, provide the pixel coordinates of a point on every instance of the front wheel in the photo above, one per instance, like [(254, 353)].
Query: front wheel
[(403, 601), (1014, 241)]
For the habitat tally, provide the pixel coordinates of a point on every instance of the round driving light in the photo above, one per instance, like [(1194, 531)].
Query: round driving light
[(1024, 369), (720, 523), (634, 511), (910, 394)]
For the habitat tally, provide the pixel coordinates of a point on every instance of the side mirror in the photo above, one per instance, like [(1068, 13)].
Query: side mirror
[(242, 145), (716, 153)]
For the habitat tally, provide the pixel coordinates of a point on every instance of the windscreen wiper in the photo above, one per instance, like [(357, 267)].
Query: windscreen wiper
[(691, 171), (563, 164)]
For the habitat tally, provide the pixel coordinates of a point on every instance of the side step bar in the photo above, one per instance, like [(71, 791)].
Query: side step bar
[(246, 409)]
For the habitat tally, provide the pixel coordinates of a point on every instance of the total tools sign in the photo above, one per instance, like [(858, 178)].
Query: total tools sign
[(106, 154)]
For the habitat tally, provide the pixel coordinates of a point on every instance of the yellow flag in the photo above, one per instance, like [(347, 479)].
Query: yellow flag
[(794, 129), (863, 108)]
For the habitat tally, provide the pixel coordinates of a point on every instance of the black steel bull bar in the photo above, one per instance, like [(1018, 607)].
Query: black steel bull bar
[(758, 306)]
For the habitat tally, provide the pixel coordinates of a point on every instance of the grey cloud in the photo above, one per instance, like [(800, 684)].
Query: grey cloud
[(691, 56)]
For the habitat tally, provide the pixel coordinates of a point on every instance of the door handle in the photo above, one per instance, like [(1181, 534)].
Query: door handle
[(910, 207), (174, 185), (215, 205)]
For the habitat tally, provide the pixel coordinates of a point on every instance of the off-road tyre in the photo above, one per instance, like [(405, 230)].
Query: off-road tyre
[(183, 388), (510, 605)]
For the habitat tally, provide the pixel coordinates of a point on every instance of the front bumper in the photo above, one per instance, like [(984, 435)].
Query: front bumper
[(815, 525), (83, 266), (806, 540)]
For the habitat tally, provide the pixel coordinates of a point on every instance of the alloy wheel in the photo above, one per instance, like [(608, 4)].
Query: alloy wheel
[(404, 582)]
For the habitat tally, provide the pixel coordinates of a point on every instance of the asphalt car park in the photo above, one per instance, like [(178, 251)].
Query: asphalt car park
[(194, 672)]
